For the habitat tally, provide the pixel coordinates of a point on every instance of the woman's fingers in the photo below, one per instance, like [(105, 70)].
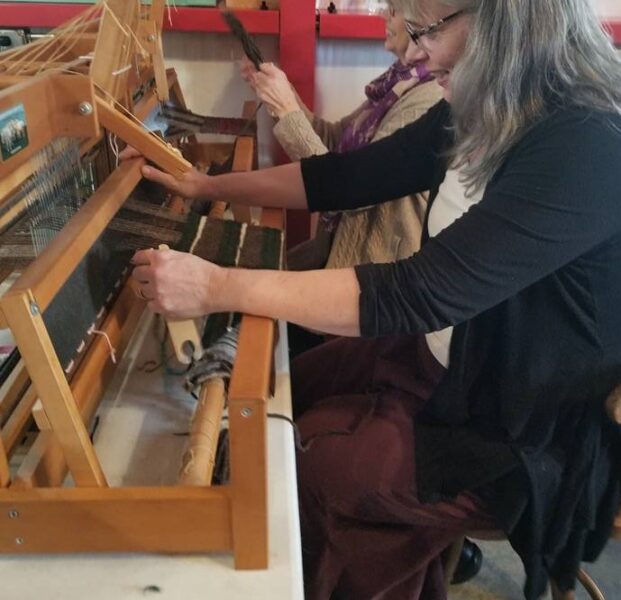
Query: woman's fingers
[(274, 89), (157, 176), (129, 152), (142, 257), (246, 68), (174, 283), (271, 69)]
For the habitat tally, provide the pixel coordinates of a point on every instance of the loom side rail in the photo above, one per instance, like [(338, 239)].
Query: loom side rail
[(55, 520), (249, 391), (31, 335), (44, 464)]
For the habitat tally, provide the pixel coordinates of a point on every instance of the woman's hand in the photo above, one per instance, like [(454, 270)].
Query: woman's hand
[(177, 284), (273, 88), (247, 70), (192, 184), (184, 286)]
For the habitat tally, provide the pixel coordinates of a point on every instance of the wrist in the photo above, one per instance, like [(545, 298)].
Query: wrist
[(281, 114), (217, 287), (206, 187), (285, 110)]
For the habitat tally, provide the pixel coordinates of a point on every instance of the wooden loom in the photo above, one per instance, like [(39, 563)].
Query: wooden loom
[(38, 513)]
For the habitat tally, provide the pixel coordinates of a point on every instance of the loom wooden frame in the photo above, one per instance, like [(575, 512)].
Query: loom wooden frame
[(41, 519), (40, 515)]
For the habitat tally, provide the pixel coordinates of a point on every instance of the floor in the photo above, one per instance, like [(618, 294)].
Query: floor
[(502, 575)]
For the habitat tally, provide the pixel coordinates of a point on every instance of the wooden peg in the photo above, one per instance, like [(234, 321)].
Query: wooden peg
[(184, 336)]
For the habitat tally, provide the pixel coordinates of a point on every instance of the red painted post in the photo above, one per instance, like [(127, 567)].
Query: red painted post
[(297, 60), (297, 46)]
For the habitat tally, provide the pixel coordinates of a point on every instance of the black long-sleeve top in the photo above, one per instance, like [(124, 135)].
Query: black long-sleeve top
[(531, 279)]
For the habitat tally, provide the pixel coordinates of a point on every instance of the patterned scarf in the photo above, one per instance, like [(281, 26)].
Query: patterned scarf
[(381, 96)]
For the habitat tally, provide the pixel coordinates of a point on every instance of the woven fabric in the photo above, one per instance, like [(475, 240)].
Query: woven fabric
[(230, 244)]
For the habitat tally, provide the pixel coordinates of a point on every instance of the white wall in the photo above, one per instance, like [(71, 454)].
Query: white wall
[(206, 64), (609, 8), (344, 67)]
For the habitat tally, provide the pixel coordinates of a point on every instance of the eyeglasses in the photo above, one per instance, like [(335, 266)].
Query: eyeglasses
[(416, 33)]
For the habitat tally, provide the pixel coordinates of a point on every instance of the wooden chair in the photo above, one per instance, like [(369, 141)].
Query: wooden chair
[(613, 409)]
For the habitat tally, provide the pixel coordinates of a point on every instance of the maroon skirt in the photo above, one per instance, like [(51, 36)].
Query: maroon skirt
[(365, 535)]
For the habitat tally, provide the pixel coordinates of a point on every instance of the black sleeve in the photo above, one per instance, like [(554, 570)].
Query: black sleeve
[(555, 198), (400, 164)]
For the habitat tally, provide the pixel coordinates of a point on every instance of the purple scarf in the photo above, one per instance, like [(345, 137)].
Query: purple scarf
[(365, 121), (380, 99)]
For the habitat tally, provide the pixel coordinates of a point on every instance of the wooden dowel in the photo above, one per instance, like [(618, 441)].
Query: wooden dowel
[(200, 456)]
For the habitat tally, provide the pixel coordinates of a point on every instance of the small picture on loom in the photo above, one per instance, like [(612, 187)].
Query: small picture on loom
[(13, 132)]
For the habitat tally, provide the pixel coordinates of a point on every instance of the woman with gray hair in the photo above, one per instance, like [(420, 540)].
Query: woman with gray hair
[(476, 398)]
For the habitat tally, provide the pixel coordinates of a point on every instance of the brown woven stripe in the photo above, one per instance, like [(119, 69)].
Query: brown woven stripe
[(219, 242), (262, 248), (149, 209), (146, 232)]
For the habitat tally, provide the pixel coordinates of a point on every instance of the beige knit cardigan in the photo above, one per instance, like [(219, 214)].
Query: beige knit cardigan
[(381, 233)]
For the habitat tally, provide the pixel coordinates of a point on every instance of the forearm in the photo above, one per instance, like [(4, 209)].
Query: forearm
[(278, 187), (297, 137), (321, 300)]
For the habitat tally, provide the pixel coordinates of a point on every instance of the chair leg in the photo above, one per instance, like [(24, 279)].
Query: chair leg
[(590, 586), (450, 558), (587, 583)]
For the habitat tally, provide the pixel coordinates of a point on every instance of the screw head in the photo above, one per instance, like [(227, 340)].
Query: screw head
[(85, 108), (19, 541), (151, 37), (13, 514), (34, 309), (246, 412)]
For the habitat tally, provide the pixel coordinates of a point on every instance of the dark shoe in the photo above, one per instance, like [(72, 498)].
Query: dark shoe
[(469, 563)]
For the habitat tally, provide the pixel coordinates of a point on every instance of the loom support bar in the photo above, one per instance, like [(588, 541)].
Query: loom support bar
[(46, 373), (145, 142)]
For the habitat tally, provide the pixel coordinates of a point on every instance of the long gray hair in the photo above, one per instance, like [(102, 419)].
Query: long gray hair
[(523, 56)]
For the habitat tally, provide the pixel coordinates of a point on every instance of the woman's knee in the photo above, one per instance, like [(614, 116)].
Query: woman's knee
[(372, 459)]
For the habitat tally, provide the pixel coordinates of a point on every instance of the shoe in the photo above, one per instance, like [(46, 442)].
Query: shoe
[(469, 563)]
